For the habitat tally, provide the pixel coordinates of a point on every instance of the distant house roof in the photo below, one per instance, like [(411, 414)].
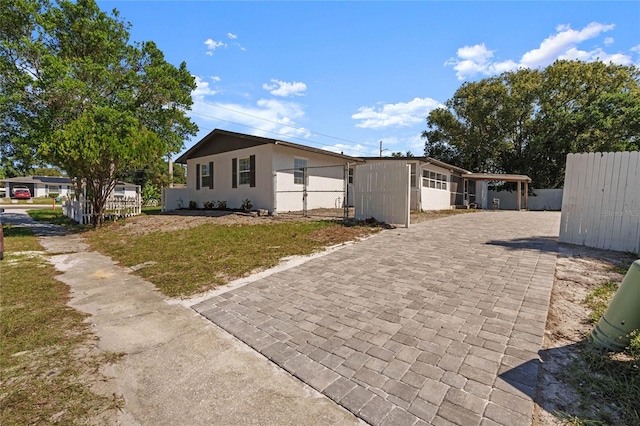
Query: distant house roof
[(426, 160), (219, 141), (52, 180), (56, 180)]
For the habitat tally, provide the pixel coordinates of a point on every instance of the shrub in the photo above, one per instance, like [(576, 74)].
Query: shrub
[(247, 205), (193, 205), (150, 192), (222, 205), (209, 205)]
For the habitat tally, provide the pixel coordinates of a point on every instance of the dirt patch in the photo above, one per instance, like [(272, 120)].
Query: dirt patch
[(184, 219), (578, 271)]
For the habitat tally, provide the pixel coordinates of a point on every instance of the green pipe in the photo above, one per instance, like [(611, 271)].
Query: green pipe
[(622, 316)]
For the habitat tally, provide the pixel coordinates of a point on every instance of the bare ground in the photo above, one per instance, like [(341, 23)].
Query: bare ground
[(176, 220), (578, 271)]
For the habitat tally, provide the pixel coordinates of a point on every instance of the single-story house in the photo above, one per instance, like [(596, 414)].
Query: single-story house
[(58, 186), (274, 175), (280, 176)]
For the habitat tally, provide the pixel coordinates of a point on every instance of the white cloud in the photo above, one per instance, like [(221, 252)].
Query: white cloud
[(354, 150), (212, 45), (477, 53), (203, 89), (555, 45), (284, 88), (473, 60), (232, 36), (597, 55), (402, 114), (268, 115), (636, 49), (479, 60)]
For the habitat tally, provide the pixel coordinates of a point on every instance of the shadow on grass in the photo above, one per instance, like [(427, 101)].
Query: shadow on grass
[(11, 231), (581, 383)]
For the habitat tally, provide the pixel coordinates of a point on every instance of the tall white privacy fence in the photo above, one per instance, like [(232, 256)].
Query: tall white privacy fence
[(81, 210), (382, 191), (601, 201)]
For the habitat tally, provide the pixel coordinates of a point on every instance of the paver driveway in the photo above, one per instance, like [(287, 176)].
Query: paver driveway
[(437, 324)]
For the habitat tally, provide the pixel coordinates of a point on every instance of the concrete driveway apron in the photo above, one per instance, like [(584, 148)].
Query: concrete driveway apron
[(437, 324)]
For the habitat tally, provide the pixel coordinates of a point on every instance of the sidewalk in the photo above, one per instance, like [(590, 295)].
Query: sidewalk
[(179, 369)]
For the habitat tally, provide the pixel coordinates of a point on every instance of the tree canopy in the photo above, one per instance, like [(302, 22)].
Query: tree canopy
[(77, 94), (527, 121)]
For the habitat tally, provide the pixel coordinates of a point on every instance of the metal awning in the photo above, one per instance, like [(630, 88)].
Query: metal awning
[(498, 177)]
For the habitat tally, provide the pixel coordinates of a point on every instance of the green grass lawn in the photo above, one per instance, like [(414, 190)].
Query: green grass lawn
[(193, 260), (52, 216), (35, 200), (608, 383), (44, 381)]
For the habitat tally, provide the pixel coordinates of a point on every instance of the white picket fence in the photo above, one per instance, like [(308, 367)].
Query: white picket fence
[(382, 191), (601, 201), (116, 207)]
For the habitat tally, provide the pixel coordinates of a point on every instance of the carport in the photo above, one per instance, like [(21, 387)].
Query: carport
[(519, 179)]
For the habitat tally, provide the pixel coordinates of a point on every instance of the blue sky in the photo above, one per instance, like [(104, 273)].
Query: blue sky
[(344, 76)]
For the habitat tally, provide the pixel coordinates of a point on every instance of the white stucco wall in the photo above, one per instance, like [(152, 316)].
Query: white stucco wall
[(545, 199), (325, 182), (41, 190), (260, 195), (433, 198)]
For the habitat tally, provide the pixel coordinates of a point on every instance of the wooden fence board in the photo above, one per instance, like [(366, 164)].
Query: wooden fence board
[(601, 201)]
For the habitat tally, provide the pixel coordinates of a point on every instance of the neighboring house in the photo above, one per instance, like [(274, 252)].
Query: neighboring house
[(435, 185), (274, 175), (56, 186)]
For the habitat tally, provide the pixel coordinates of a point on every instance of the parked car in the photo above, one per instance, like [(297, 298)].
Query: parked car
[(21, 192)]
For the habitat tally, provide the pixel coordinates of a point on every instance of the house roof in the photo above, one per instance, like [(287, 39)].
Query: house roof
[(426, 160), (502, 177), (55, 180), (219, 141)]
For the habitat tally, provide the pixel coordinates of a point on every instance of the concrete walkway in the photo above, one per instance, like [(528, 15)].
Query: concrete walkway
[(179, 369), (437, 324)]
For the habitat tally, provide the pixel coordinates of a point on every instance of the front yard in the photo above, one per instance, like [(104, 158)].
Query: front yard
[(47, 358)]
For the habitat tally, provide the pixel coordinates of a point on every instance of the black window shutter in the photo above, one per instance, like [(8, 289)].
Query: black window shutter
[(234, 172), (211, 174), (197, 176), (252, 170)]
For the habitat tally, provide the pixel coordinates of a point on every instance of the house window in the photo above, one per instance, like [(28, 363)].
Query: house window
[(52, 189), (118, 191), (299, 164), (244, 171), (351, 175), (205, 176), (413, 175), (435, 180)]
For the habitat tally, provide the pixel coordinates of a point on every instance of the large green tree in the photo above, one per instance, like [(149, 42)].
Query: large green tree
[(77, 94), (527, 121)]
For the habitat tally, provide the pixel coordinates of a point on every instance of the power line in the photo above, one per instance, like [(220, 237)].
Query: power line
[(276, 122), (355, 149)]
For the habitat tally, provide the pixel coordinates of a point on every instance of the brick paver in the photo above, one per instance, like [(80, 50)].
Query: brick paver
[(436, 324)]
